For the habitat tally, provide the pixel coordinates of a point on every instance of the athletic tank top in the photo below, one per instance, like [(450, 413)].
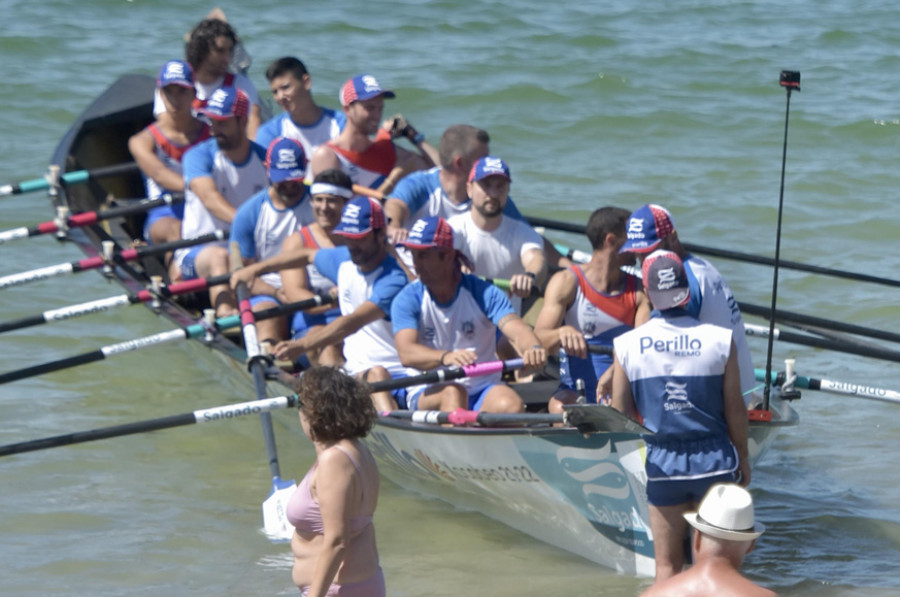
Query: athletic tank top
[(317, 282), (170, 154), (303, 510), (600, 317), (201, 103), (368, 168)]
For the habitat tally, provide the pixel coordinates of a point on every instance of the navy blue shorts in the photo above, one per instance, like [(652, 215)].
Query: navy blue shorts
[(672, 493)]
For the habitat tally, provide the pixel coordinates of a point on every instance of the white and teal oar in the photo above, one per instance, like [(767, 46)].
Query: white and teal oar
[(75, 177), (836, 387)]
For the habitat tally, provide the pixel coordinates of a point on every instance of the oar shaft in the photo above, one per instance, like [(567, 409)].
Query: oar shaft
[(97, 261), (836, 326), (836, 345), (207, 415), (836, 387), (447, 374), (734, 255), (469, 417), (74, 177)]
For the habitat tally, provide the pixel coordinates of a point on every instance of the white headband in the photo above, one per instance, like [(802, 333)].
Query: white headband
[(325, 188)]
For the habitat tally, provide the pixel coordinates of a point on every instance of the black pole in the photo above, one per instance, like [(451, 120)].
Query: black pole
[(790, 80)]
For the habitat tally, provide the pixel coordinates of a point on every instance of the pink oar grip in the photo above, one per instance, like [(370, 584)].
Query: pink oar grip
[(461, 416)]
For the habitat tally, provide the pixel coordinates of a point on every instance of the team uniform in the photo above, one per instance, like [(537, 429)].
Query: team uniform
[(371, 167), (424, 197), (170, 154), (495, 253), (310, 137), (320, 285), (469, 322), (260, 228), (204, 90), (713, 302), (676, 367), (373, 344), (236, 182), (601, 318)]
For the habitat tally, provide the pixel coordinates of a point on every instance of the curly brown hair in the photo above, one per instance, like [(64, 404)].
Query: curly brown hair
[(336, 406)]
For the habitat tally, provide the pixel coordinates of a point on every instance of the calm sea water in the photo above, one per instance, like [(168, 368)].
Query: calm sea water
[(605, 103)]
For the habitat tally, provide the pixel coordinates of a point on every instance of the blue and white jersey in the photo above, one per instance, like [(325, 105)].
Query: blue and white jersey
[(468, 322), (373, 344), (260, 228), (328, 127), (236, 183), (676, 367), (204, 90), (713, 302), (424, 196)]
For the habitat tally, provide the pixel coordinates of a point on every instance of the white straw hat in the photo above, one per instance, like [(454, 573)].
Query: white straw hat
[(726, 512)]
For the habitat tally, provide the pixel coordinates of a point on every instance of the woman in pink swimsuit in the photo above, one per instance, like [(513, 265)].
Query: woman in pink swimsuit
[(334, 543)]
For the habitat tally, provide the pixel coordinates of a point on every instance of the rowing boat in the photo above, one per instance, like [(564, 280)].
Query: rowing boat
[(582, 490)]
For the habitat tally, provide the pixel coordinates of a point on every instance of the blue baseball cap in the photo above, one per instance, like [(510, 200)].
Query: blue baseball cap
[(285, 160), (225, 103), (361, 88), (175, 72), (360, 216), (646, 229), (426, 233), (489, 166), (665, 280)]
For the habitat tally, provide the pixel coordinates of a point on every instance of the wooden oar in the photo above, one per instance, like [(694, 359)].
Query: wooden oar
[(732, 255), (99, 261), (74, 177), (105, 304), (205, 415), (196, 330), (88, 218), (836, 345), (835, 387), (275, 505)]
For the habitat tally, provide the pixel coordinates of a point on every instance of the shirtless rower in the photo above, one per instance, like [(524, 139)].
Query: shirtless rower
[(159, 148), (304, 120), (589, 305), (448, 318), (368, 279), (219, 174), (378, 163)]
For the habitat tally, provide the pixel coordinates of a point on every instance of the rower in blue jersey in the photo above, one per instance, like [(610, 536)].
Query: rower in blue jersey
[(219, 175), (589, 305), (680, 377), (367, 280), (652, 227), (263, 222), (303, 120), (448, 318)]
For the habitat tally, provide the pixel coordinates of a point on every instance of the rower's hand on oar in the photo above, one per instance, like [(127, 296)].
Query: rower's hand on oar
[(573, 342), (397, 234), (247, 275), (521, 284), (534, 358), (604, 387), (459, 358), (289, 350)]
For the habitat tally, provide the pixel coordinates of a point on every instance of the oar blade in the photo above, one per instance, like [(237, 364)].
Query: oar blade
[(274, 509)]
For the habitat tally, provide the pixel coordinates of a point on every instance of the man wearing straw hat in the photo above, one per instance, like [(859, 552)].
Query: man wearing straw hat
[(680, 376), (724, 532)]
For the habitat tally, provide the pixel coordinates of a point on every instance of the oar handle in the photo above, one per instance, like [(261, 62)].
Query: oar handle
[(447, 374)]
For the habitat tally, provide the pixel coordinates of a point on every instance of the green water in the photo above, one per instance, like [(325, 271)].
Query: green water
[(601, 103)]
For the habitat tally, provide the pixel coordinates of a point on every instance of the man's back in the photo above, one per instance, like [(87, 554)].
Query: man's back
[(708, 578)]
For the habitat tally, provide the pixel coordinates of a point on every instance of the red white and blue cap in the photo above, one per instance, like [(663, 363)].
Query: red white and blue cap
[(176, 72), (665, 280), (361, 88), (285, 160), (647, 227), (428, 233), (489, 166), (225, 103), (361, 216)]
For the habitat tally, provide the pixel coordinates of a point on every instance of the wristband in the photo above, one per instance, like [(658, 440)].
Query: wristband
[(417, 138), (442, 358), (531, 275)]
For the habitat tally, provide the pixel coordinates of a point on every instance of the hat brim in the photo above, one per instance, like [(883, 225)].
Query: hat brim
[(213, 116), (276, 176), (352, 234), (720, 533), (409, 245), (639, 248), (185, 84), (664, 300)]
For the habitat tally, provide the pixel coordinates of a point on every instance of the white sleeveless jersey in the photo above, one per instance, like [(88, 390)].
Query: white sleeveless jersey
[(310, 137), (717, 306)]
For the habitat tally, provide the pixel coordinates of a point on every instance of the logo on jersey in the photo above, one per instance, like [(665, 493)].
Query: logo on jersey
[(468, 329), (680, 346), (428, 333), (677, 397)]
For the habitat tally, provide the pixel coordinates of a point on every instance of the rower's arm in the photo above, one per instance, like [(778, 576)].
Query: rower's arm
[(143, 149), (340, 328), (396, 211), (205, 189), (299, 257), (254, 119), (622, 398), (323, 158), (736, 413), (558, 296), (522, 338)]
